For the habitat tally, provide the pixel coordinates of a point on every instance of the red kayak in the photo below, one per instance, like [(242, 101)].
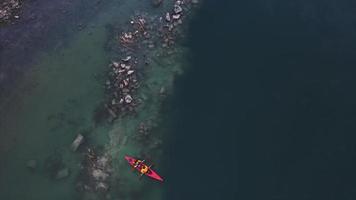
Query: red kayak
[(143, 168)]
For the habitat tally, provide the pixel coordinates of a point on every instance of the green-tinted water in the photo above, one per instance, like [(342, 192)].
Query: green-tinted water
[(56, 101)]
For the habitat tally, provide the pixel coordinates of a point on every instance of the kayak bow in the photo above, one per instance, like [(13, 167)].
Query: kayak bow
[(150, 173)]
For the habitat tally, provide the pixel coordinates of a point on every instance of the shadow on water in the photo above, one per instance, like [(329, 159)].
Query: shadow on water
[(267, 109)]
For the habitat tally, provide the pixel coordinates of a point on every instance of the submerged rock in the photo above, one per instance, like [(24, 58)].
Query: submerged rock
[(77, 142), (115, 64), (157, 3), (63, 173), (99, 174), (100, 186), (31, 164), (162, 90)]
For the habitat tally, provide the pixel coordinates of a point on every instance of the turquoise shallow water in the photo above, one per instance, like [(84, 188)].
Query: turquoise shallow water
[(56, 100)]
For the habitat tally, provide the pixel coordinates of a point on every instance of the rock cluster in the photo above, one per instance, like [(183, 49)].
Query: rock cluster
[(96, 173), (122, 84), (8, 9), (142, 34)]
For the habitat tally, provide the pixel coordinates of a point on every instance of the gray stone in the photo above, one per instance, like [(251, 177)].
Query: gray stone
[(168, 17), (101, 186), (99, 174)]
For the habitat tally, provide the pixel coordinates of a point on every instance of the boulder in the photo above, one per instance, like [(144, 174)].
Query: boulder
[(128, 99), (168, 17), (115, 64), (128, 58), (176, 16)]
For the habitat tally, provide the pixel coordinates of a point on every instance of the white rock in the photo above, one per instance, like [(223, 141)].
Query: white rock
[(128, 99), (128, 35), (126, 82), (130, 72), (126, 59), (177, 16), (178, 2)]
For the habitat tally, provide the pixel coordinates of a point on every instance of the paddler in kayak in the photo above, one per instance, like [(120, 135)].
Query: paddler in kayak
[(142, 168), (137, 163)]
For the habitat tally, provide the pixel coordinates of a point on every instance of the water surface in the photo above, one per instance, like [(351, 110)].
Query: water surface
[(267, 109)]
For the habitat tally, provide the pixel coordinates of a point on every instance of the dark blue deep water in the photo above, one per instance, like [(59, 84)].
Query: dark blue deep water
[(267, 109)]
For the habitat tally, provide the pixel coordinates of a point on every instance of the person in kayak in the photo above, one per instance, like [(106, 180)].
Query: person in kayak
[(138, 162), (144, 169)]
